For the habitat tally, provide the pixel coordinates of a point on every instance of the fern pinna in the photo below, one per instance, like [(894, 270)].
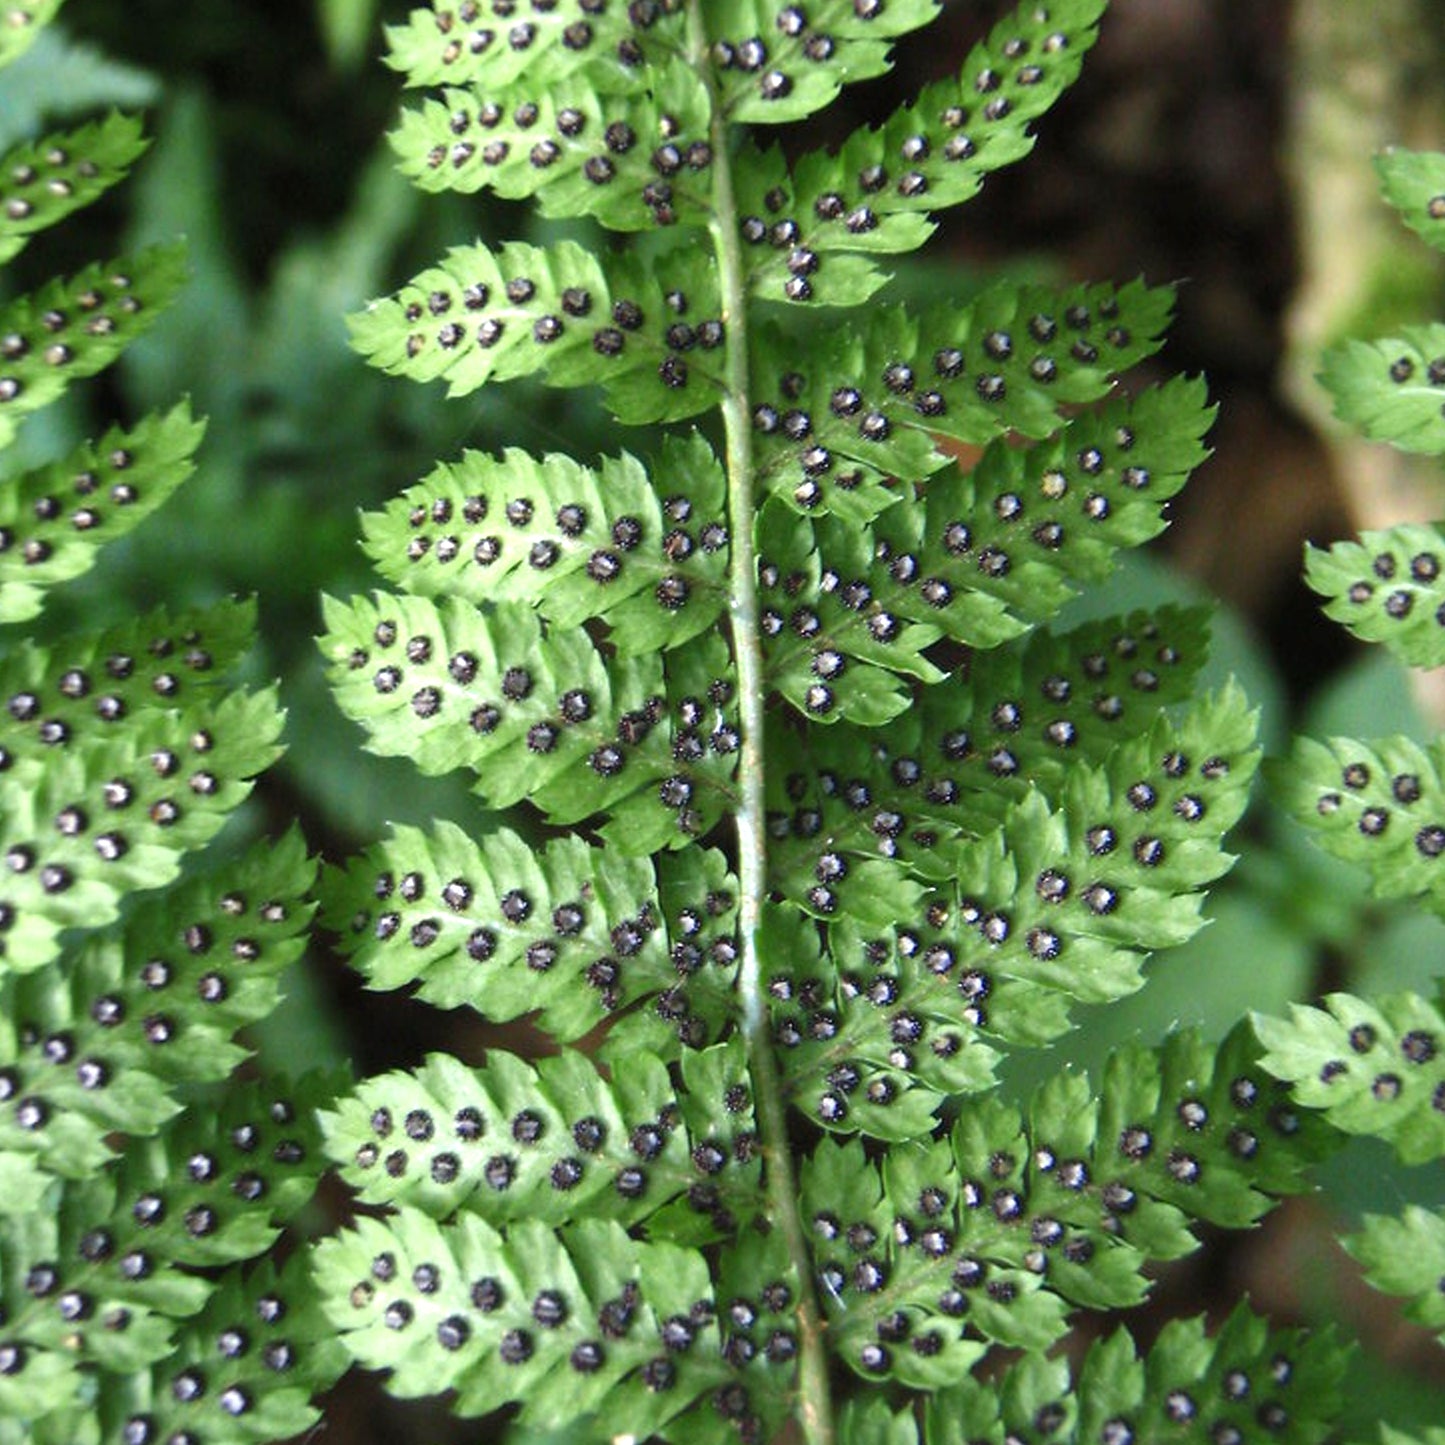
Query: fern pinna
[(1375, 1066), (820, 823), (126, 1216)]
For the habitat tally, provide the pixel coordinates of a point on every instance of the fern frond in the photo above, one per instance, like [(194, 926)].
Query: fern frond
[(1414, 183), (54, 519), (652, 743), (24, 19), (1054, 907), (633, 158), (242, 1370), (574, 542), (565, 1322), (1393, 389), (98, 1280), (779, 63), (555, 1142), (97, 1049), (1387, 587), (843, 417), (1022, 717), (1405, 1256), (44, 181), (1380, 803), (74, 327), (651, 335), (995, 1232), (571, 932), (876, 195), (463, 45), (1372, 1066), (122, 763), (1188, 1387), (937, 833), (984, 559)]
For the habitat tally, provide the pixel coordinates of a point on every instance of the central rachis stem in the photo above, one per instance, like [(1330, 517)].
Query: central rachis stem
[(815, 1410)]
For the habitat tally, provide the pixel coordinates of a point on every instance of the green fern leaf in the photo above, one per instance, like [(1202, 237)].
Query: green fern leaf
[(95, 1050), (1381, 804), (1372, 1066), (1004, 546), (859, 409), (556, 723), (463, 46), (968, 748), (938, 852), (654, 344), (106, 793), (1405, 1256), (817, 626), (1392, 390), (877, 193), (92, 1283), (1414, 183), (251, 1164), (1054, 907), (572, 148), (1189, 1387), (1387, 588), (571, 932), (63, 1303), (553, 1142), (242, 1370), (566, 1323), (54, 519), (76, 327), (23, 21), (572, 541), (992, 1233), (44, 181), (780, 63)]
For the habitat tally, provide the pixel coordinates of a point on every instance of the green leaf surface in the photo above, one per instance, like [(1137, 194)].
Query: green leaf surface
[(72, 328), (567, 1323), (503, 925), (1414, 183), (1405, 1255), (878, 192), (856, 412), (113, 816), (24, 20), (218, 1182), (460, 45), (1393, 389), (96, 1049), (554, 1141), (574, 542), (540, 712), (44, 181), (633, 160), (779, 63), (1387, 587), (564, 314), (259, 1351), (995, 1231), (1188, 1387), (55, 518), (950, 766), (1380, 803), (1373, 1066)]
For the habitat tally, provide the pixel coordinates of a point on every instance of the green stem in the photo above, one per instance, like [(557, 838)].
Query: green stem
[(815, 1406)]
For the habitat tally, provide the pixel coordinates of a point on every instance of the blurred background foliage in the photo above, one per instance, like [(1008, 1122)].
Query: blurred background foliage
[(1218, 143)]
